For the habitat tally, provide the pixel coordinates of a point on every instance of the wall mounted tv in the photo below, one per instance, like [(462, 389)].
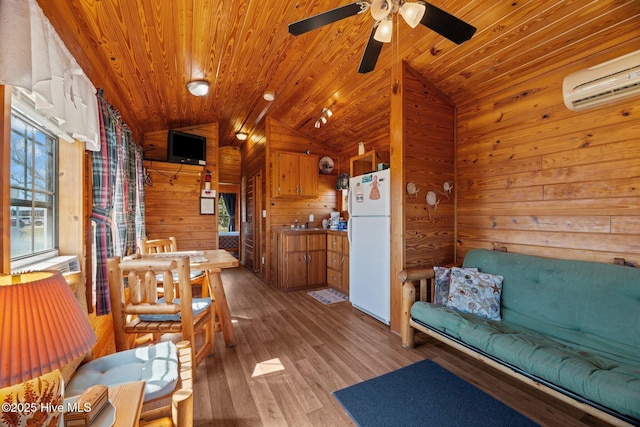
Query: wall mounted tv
[(186, 148)]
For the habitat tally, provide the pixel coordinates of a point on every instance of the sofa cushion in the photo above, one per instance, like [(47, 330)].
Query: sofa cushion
[(475, 292), (157, 365), (442, 276), (595, 304), (569, 365)]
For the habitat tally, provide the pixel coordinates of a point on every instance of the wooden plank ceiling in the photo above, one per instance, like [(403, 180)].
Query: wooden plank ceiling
[(143, 52)]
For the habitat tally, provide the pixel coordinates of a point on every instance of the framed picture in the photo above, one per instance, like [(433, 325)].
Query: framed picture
[(207, 206)]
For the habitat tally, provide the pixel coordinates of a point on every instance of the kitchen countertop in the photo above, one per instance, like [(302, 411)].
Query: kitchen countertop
[(308, 230)]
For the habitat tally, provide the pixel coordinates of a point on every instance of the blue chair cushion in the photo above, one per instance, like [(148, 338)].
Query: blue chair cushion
[(192, 275), (198, 306), (157, 365)]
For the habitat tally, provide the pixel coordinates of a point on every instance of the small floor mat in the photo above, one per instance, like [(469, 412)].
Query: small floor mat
[(328, 296)]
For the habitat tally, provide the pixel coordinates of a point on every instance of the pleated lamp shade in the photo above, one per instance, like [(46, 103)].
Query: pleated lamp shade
[(42, 326)]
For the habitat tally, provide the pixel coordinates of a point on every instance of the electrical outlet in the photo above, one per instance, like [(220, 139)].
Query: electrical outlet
[(264, 213), (263, 260)]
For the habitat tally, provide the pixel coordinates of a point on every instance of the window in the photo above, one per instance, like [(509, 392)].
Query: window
[(33, 183), (224, 218)]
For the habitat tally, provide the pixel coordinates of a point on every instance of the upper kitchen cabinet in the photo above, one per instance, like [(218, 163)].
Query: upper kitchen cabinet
[(367, 162), (295, 175)]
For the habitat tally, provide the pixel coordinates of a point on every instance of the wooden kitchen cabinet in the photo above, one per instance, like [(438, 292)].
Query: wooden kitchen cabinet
[(367, 162), (295, 175), (338, 261), (302, 260)]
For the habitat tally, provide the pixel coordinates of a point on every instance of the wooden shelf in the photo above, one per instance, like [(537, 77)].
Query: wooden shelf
[(367, 162)]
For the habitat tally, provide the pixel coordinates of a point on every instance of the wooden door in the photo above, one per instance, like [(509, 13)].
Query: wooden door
[(258, 250), (286, 174), (294, 274), (317, 267), (308, 179), (344, 284)]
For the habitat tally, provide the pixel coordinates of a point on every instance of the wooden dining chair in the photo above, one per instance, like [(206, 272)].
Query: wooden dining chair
[(145, 312), (170, 244), (156, 246)]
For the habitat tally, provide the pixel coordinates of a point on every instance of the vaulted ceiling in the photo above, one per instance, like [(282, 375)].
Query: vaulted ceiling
[(143, 52)]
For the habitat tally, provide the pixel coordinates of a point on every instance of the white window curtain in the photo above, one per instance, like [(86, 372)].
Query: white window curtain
[(33, 57)]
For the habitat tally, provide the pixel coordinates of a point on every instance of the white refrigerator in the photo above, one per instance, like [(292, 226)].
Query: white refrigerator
[(369, 232)]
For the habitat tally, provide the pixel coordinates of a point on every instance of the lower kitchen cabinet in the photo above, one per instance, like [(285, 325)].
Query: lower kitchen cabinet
[(302, 260), (338, 261)]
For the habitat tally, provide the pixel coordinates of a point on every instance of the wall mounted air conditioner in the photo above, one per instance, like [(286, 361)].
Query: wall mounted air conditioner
[(603, 83)]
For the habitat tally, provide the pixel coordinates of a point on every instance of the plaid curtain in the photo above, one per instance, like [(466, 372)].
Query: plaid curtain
[(117, 172), (140, 219), (126, 194), (104, 164)]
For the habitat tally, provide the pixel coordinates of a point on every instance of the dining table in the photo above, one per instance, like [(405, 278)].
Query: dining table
[(212, 262)]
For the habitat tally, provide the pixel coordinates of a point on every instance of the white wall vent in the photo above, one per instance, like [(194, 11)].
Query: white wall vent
[(607, 82), (63, 264)]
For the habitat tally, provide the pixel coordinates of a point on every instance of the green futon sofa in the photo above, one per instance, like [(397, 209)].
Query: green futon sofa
[(569, 327)]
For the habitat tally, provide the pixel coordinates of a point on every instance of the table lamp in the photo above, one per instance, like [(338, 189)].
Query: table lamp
[(42, 328)]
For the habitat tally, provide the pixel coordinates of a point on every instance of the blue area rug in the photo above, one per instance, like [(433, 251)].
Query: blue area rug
[(425, 394)]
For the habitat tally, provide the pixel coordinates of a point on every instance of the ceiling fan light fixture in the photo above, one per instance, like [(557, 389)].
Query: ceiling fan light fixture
[(413, 13), (198, 87), (384, 32), (380, 9), (241, 136)]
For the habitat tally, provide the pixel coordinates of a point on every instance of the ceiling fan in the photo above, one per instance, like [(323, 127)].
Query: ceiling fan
[(414, 13)]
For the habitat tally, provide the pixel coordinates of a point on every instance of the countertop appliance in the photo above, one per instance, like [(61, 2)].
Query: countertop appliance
[(369, 232)]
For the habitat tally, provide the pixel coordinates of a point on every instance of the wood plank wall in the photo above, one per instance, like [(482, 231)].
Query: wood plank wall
[(173, 201), (537, 178), (422, 119), (229, 161)]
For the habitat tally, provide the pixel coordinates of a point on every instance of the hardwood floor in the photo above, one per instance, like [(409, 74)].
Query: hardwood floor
[(293, 352)]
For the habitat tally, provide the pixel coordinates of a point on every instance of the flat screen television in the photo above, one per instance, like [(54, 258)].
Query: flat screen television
[(186, 148)]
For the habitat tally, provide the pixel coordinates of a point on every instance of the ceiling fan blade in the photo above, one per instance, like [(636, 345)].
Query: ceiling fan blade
[(447, 25), (371, 53), (328, 17)]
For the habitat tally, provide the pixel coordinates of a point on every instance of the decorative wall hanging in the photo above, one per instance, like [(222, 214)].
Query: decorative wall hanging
[(412, 191), (432, 196)]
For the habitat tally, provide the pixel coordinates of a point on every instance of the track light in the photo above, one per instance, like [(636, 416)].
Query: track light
[(413, 13), (384, 31), (198, 87), (324, 117)]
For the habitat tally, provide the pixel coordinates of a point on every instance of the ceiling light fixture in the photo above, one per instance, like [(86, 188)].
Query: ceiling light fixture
[(383, 11), (385, 31), (324, 117), (242, 136), (269, 96), (413, 13), (198, 87)]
